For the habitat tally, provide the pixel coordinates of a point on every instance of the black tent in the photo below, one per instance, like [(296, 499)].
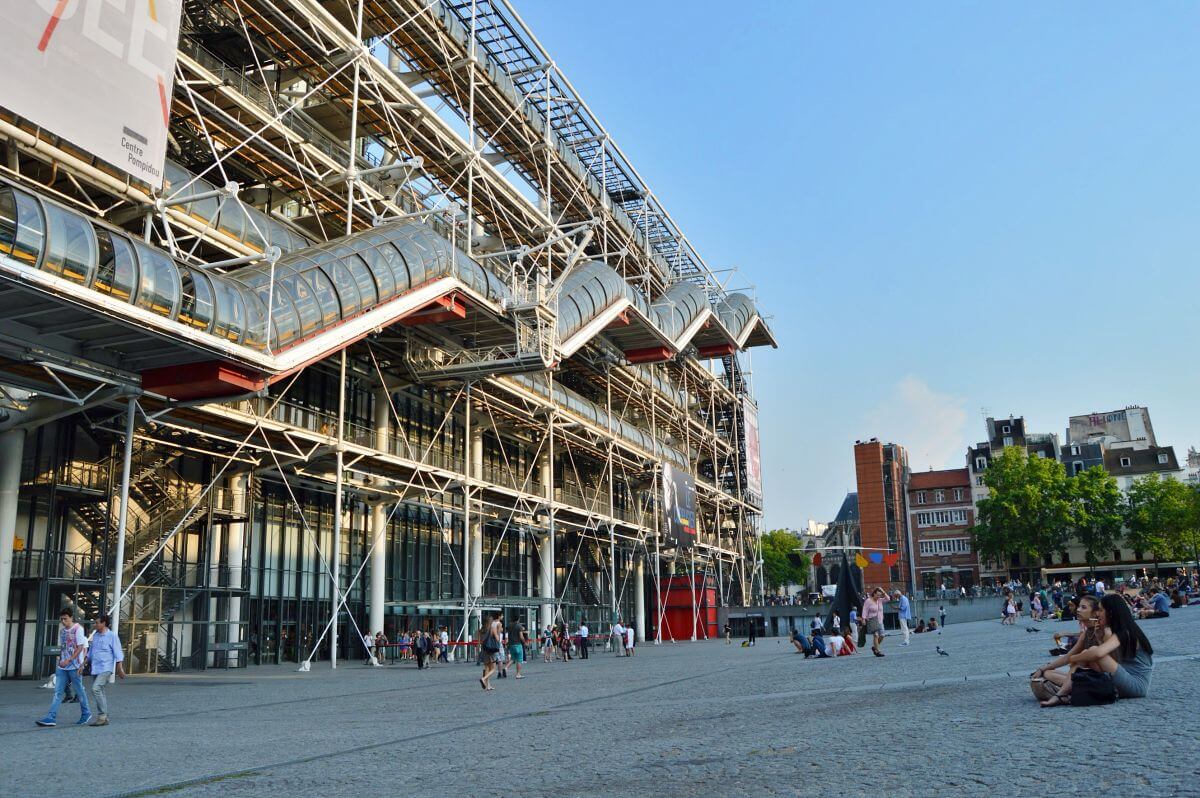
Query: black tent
[(849, 589)]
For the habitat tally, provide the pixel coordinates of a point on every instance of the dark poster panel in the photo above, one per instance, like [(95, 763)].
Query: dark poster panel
[(679, 503)]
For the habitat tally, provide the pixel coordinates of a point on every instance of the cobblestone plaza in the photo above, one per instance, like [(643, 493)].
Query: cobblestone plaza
[(682, 719)]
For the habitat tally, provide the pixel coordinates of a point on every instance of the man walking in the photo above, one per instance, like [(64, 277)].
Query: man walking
[(107, 662), (70, 658), (517, 641), (904, 613), (583, 640), (618, 638), (941, 618)]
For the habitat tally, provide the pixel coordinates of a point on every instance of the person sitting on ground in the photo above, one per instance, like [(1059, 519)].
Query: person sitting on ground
[(1178, 600), (920, 627), (1158, 606), (1092, 635), (933, 625), (1068, 612), (1125, 654), (848, 646)]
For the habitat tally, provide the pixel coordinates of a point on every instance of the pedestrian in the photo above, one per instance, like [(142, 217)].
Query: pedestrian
[(583, 640), (564, 643), (872, 615), (444, 640), (854, 622), (70, 657), (503, 650), (517, 640), (629, 641), (904, 614), (837, 624), (547, 644), (421, 648), (491, 653), (618, 638), (728, 634), (105, 658), (941, 617), (753, 630)]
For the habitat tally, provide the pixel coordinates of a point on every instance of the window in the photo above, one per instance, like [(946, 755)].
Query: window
[(1075, 451), (1076, 467), (980, 463), (72, 247), (1063, 557), (945, 547), (1041, 454), (942, 518), (920, 497), (939, 496), (979, 481), (115, 271), (1006, 429), (958, 494), (1008, 440), (22, 229), (1125, 461), (1137, 554), (1162, 459)]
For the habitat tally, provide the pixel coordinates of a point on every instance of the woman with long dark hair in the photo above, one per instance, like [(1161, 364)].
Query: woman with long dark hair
[(1126, 654)]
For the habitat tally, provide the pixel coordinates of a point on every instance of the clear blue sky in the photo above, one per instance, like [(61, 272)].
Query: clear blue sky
[(947, 207)]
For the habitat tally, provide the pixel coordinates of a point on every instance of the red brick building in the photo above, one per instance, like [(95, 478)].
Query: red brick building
[(940, 515), (882, 473)]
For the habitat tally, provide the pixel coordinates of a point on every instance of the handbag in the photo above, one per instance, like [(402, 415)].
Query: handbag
[(1092, 688), (490, 645)]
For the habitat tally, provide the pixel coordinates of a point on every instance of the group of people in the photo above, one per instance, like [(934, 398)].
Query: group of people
[(1109, 658), (424, 646), (501, 646), (99, 653)]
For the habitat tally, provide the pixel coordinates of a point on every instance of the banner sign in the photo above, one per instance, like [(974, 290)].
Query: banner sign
[(750, 436), (679, 503), (98, 73)]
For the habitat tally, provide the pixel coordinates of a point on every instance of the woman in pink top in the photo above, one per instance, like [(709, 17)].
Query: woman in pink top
[(872, 616)]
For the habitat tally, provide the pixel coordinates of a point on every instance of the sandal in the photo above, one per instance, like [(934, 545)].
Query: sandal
[(483, 684), (1056, 701)]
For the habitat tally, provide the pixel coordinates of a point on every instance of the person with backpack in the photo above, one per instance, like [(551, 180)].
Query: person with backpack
[(71, 649)]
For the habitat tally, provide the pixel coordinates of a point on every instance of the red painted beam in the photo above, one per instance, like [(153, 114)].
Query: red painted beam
[(209, 380), (621, 320), (440, 311), (717, 350), (654, 354)]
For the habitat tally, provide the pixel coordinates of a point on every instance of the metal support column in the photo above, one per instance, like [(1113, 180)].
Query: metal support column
[(379, 517), (639, 599), (11, 444), (546, 543), (335, 558), (475, 528), (114, 609)]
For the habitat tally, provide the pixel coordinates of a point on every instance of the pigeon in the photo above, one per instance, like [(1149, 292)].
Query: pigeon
[(943, 653), (1032, 629)]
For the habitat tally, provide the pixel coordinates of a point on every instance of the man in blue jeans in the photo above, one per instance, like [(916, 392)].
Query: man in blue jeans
[(70, 657)]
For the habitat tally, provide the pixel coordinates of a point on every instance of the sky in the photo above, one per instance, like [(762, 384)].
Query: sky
[(949, 210)]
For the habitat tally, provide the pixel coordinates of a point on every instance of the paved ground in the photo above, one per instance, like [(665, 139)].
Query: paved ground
[(685, 720)]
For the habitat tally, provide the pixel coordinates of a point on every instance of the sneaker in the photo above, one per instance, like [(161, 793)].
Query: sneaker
[(520, 677), (101, 720), (904, 643), (84, 720), (47, 722)]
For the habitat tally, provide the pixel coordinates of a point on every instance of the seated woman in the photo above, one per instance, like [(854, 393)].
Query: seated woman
[(1125, 654), (848, 646), (1092, 634), (933, 625), (920, 627)]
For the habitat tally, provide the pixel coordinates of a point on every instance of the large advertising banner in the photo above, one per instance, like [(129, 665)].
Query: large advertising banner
[(750, 436), (98, 73), (679, 502)]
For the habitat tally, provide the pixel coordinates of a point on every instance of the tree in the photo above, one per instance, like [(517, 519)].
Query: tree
[(783, 562), (1158, 514), (1095, 512), (1027, 510)]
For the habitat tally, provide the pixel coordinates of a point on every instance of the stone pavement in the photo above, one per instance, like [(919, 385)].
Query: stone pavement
[(679, 720)]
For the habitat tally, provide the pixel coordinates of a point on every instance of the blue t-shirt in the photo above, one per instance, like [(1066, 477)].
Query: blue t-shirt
[(1160, 602), (905, 608)]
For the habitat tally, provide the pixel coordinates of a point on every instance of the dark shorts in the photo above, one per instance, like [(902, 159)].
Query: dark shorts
[(874, 627)]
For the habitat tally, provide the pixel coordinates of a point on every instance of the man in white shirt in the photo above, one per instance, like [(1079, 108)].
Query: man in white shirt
[(583, 640), (1099, 587), (618, 638), (444, 639)]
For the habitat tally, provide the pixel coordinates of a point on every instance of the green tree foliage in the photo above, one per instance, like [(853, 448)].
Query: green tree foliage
[(1096, 512), (1158, 516), (783, 562), (1027, 510)]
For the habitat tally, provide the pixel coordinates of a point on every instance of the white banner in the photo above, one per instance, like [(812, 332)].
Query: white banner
[(96, 72), (753, 458)]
